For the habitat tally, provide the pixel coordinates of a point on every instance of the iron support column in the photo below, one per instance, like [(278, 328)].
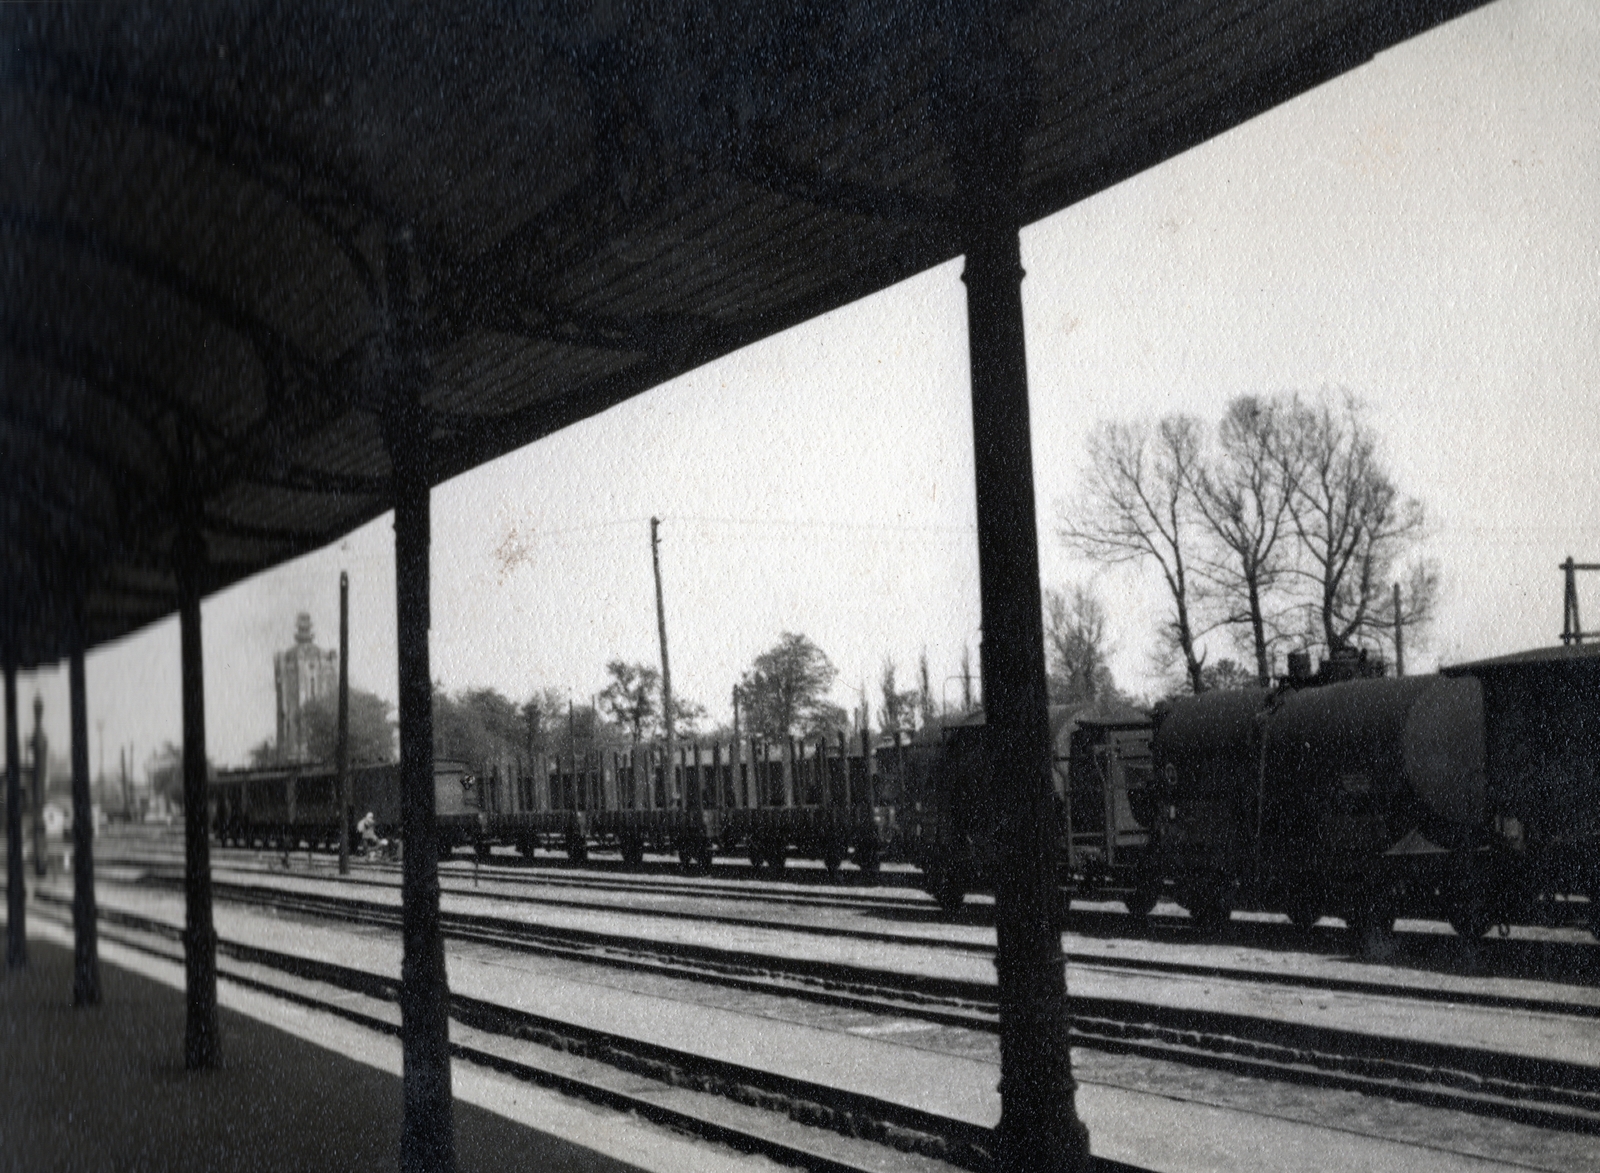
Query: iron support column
[(16, 893), (202, 1042), (1039, 1127), (41, 775), (86, 948), (344, 724), (427, 1136)]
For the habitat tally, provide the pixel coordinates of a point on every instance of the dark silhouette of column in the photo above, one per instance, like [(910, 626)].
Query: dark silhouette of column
[(427, 1135), (1039, 1126), (988, 97), (86, 948), (16, 893), (344, 724), (41, 776), (201, 1040)]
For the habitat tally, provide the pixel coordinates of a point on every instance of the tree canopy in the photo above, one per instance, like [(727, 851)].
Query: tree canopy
[(632, 698), (785, 691), (372, 728)]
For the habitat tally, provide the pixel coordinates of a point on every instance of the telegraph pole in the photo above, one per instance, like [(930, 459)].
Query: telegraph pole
[(739, 796), (1399, 642), (666, 671)]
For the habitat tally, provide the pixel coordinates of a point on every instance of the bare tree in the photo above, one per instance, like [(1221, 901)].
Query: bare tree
[(898, 712), (1419, 597), (968, 701), (1354, 525), (1075, 644), (1136, 505), (927, 710), (1243, 496)]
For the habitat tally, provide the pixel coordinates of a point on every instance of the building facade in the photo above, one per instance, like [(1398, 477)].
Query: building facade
[(303, 673)]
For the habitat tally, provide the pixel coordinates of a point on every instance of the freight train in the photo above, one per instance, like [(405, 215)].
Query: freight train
[(1472, 795), (827, 800)]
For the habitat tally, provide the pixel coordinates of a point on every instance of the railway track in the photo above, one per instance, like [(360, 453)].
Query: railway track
[(803, 887), (1543, 1093), (774, 1104), (1452, 996)]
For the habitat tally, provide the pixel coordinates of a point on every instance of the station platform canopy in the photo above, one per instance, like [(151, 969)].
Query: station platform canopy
[(203, 206)]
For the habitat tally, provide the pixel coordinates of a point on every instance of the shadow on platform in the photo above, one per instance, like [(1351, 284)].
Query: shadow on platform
[(105, 1089)]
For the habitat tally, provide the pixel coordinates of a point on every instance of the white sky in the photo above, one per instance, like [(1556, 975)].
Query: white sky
[(1424, 231)]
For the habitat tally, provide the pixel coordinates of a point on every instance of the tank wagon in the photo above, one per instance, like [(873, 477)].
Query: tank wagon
[(1468, 795)]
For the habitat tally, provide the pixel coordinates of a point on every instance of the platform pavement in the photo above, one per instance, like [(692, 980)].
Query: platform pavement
[(104, 1089), (1153, 1132)]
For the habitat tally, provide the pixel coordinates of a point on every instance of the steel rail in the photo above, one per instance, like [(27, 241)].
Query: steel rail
[(1542, 1092), (889, 1124), (1361, 986)]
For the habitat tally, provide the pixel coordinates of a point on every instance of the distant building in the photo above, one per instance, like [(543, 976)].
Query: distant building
[(302, 673)]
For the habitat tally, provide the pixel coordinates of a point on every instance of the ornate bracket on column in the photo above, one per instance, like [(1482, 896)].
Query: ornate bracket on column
[(988, 96), (427, 1138)]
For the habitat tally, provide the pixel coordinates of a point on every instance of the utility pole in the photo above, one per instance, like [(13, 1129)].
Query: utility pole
[(344, 723), (666, 671), (1399, 642), (740, 797), (1571, 626)]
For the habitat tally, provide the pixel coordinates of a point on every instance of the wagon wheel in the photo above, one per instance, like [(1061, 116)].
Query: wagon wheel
[(1304, 910), (832, 856), (1210, 905), (1469, 914), (1372, 923), (948, 887), (1141, 902), (866, 856)]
